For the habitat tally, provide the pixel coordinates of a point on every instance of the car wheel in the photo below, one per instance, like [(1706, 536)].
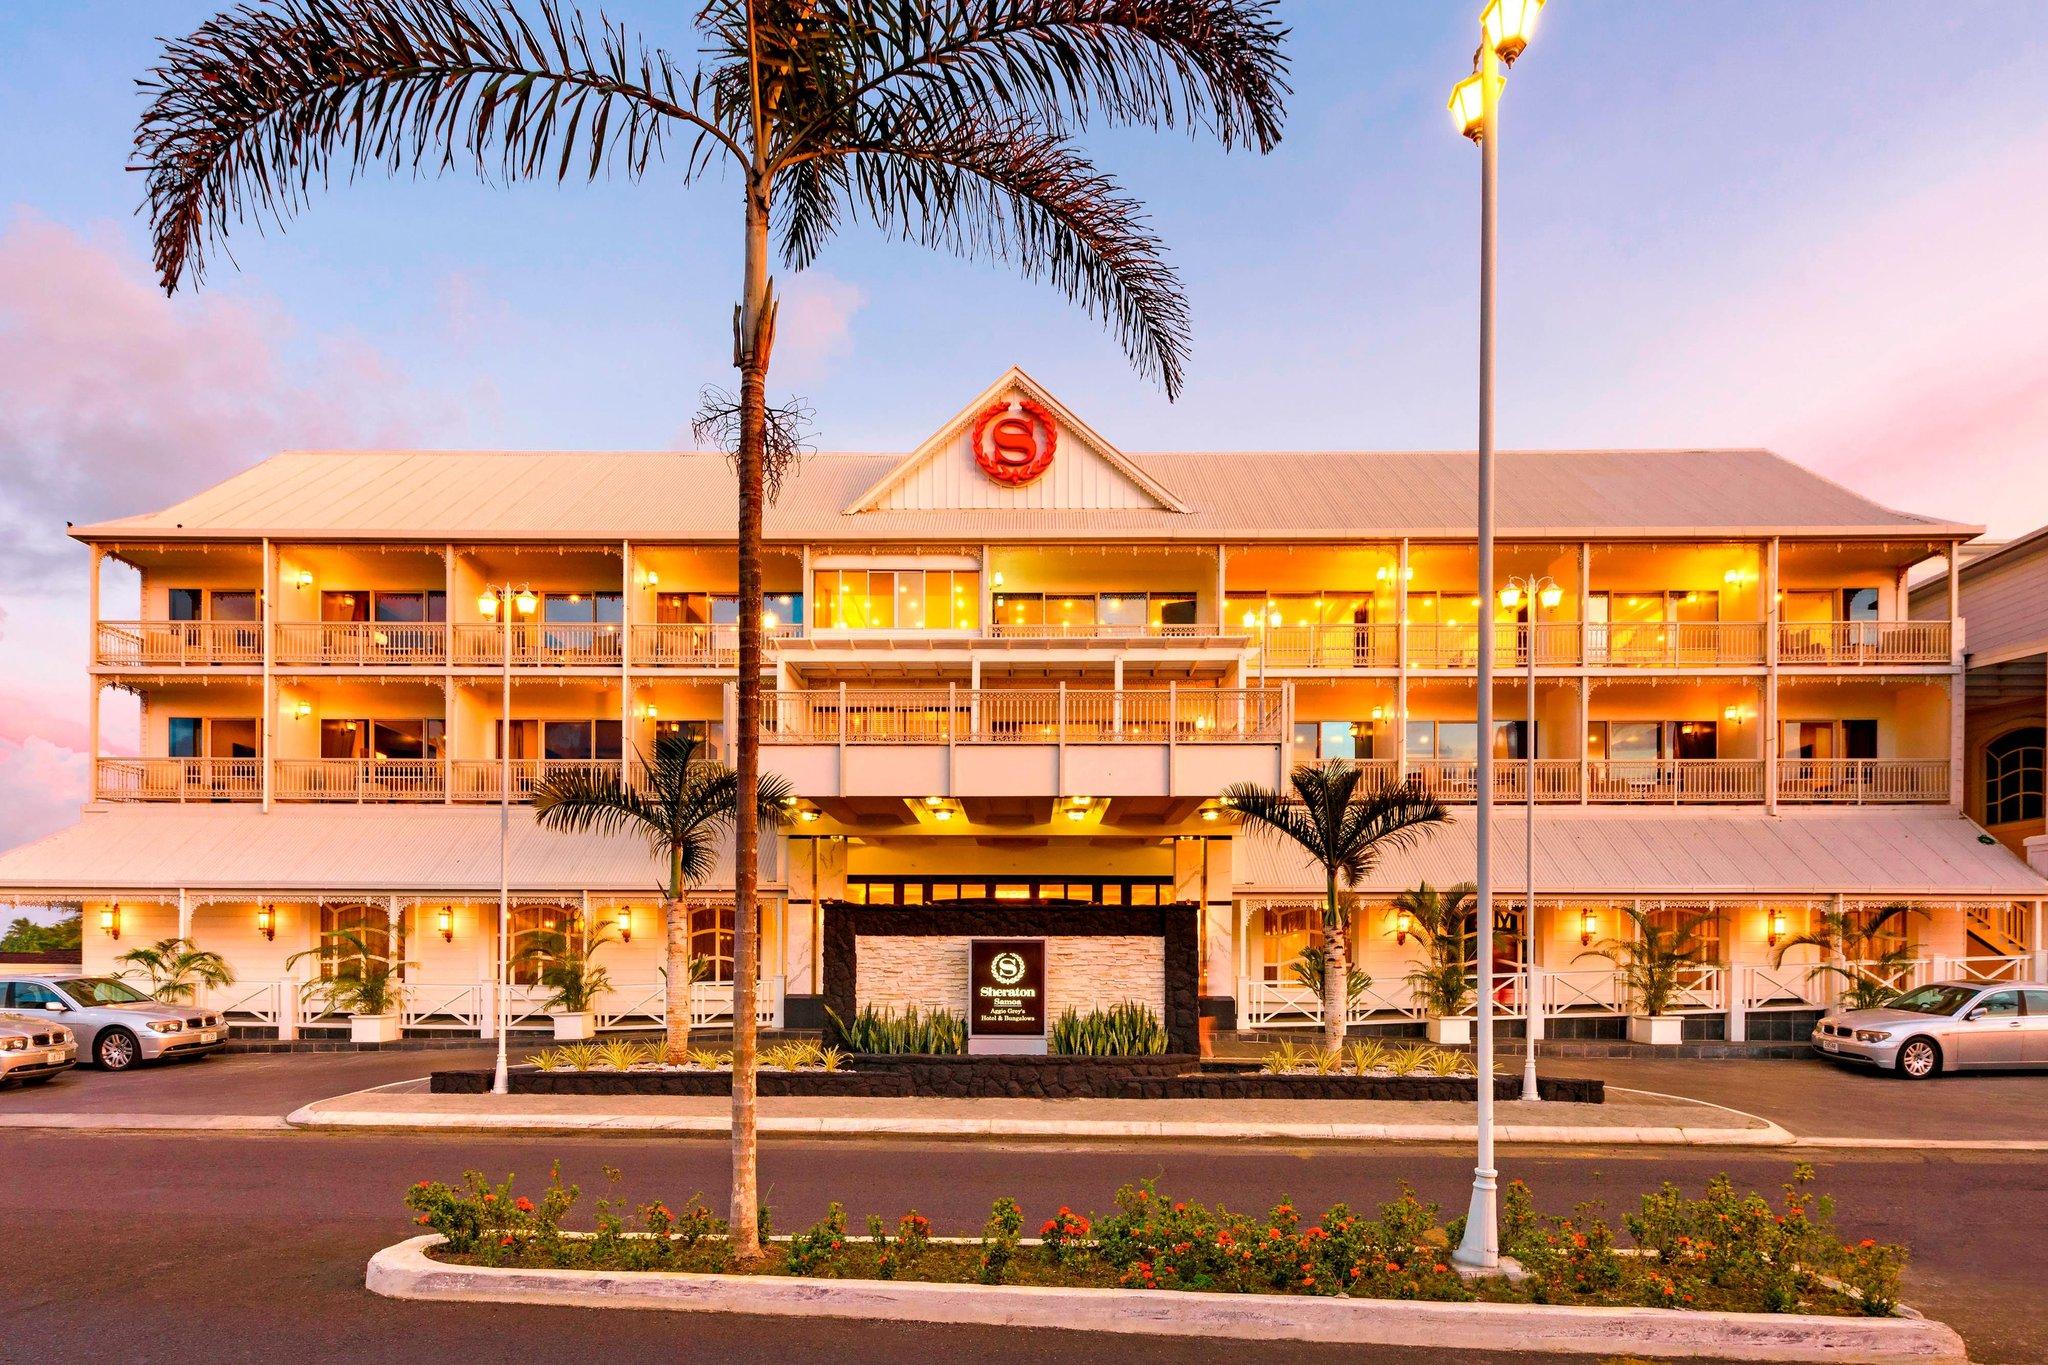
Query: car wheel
[(1919, 1058), (116, 1050)]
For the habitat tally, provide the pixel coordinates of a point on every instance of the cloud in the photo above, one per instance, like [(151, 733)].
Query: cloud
[(814, 325), (115, 399), (45, 785)]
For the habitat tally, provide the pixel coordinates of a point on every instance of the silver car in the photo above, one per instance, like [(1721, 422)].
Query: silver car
[(1946, 1026), (116, 1025), (32, 1050)]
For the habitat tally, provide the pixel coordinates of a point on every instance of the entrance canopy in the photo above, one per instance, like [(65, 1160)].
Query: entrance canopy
[(1866, 853)]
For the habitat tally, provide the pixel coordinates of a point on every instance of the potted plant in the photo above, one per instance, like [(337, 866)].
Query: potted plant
[(177, 968), (561, 963), (1854, 943), (1442, 977), (358, 981), (1651, 963)]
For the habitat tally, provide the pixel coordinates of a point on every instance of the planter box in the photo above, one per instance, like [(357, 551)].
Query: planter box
[(375, 1028), (575, 1028), (1658, 1030), (1456, 1032)]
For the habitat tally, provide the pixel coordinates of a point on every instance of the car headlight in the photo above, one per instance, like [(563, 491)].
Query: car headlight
[(1872, 1035), (13, 1044), (166, 1026)]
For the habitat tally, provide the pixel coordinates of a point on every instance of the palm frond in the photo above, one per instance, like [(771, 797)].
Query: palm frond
[(261, 104)]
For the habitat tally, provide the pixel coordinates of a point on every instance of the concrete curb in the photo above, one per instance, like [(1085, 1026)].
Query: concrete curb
[(405, 1272), (154, 1123), (314, 1117)]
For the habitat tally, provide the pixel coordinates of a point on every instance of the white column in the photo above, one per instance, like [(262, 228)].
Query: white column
[(265, 617), (184, 915), (1400, 726), (92, 678), (1769, 709)]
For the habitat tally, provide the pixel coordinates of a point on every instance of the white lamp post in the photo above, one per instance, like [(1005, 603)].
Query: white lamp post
[(500, 603), (1505, 26), (1536, 591)]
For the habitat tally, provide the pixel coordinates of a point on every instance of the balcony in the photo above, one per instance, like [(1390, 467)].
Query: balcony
[(1850, 643), (362, 644), (1338, 646), (1674, 781), (1863, 781), (178, 779), (482, 779), (1431, 645), (360, 779), (964, 742), (568, 644), (178, 644), (678, 644), (1675, 644), (1090, 631)]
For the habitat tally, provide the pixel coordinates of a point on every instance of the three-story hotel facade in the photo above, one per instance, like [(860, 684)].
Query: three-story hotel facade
[(1015, 668)]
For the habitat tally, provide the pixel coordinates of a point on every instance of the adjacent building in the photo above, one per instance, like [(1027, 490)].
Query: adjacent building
[(1014, 668)]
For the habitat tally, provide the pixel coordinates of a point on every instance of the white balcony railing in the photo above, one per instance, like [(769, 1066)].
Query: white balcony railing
[(178, 779), (480, 779), (1675, 644), (1672, 781), (360, 779), (690, 644), (362, 644), (1023, 716), (1864, 642), (1863, 781), (1457, 780), (566, 644), (1338, 646), (178, 644), (1557, 644), (1102, 630)]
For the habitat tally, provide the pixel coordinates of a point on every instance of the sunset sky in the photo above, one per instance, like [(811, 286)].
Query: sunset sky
[(1816, 227)]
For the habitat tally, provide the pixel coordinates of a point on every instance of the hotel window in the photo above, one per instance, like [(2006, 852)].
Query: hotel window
[(1289, 929), (1820, 740), (1322, 739), (1335, 607), (711, 929), (1706, 930), (211, 737), (562, 740), (371, 924), (399, 608), (212, 604), (939, 890), (1643, 608), (723, 609), (898, 599), (382, 739), (1631, 741), (1457, 741), (2012, 776), (538, 931)]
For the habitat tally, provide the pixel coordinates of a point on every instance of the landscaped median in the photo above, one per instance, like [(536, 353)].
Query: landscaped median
[(1724, 1274)]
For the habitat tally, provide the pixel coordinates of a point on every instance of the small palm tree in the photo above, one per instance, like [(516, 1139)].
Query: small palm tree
[(1653, 961), (355, 978), (1344, 830), (561, 962), (1443, 920), (680, 804), (177, 968), (1308, 968), (1852, 942)]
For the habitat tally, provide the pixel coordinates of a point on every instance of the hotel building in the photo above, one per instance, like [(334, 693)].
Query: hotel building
[(1015, 667)]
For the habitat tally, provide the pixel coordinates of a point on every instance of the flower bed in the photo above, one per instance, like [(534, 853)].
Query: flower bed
[(1722, 1250)]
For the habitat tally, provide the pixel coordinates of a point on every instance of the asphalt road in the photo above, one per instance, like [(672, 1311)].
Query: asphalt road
[(251, 1246)]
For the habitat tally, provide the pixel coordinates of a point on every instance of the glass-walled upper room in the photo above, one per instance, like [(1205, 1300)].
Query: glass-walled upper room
[(1315, 606), (1848, 604), (684, 604), (1675, 605), (1107, 592)]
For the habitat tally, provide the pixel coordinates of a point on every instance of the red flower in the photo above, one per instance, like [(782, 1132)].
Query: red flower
[(423, 1184), (504, 1241), (523, 1204), (490, 1199), (423, 1220)]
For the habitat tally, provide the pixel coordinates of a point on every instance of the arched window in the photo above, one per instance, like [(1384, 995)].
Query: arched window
[(711, 930), (2012, 776), (372, 922)]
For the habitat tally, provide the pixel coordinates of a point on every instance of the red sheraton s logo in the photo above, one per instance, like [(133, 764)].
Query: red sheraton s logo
[(1013, 442)]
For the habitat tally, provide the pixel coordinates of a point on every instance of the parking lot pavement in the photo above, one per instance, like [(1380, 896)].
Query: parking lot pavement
[(259, 1084), (1815, 1098)]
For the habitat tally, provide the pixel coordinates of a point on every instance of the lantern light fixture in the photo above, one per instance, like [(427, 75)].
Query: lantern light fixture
[(1468, 104), (266, 923), (110, 921), (302, 710), (305, 577), (625, 924), (1404, 925), (1776, 928), (1589, 924), (445, 923), (1508, 25)]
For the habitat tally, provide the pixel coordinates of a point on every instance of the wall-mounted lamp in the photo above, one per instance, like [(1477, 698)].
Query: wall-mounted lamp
[(110, 921), (997, 580), (1209, 814), (651, 579), (305, 578), (649, 710), (1589, 925), (942, 815), (1776, 927), (445, 922), (809, 817), (301, 710), (1404, 925), (266, 923), (1737, 714), (625, 924)]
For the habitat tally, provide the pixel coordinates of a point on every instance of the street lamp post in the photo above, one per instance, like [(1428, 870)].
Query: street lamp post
[(1535, 591), (500, 603), (1504, 27)]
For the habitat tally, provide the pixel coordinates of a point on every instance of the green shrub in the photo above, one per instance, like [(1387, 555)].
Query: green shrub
[(913, 1238), (999, 1239), (1125, 1030), (884, 1032), (810, 1249)]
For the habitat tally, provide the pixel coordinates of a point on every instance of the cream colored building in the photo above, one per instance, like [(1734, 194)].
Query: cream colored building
[(1019, 664)]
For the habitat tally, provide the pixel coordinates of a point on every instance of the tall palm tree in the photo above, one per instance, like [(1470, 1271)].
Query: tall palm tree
[(945, 122), (683, 807), (1344, 830), (176, 968)]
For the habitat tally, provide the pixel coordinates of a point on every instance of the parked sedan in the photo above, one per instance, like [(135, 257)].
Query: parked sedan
[(1947, 1026), (116, 1025), (32, 1050)]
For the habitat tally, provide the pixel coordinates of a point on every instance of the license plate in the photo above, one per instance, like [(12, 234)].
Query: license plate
[(54, 1058), (1830, 1045), (211, 1035)]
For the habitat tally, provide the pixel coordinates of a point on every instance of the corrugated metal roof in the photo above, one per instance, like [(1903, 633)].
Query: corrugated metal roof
[(313, 848), (1881, 853), (1352, 495)]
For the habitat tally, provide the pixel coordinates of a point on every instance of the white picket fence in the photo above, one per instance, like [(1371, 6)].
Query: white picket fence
[(465, 1006)]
